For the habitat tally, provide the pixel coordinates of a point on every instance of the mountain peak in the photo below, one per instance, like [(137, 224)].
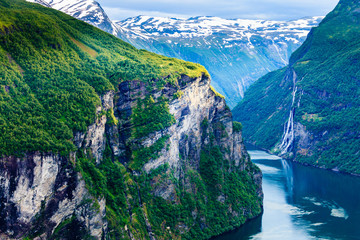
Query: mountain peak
[(88, 11)]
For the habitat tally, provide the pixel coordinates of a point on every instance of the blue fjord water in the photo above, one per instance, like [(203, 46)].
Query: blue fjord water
[(302, 203)]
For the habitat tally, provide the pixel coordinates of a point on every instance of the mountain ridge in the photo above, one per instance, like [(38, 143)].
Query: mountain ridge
[(229, 49), (236, 52), (89, 11)]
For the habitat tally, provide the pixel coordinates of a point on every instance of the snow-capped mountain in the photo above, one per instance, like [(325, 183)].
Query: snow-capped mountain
[(236, 30), (236, 52), (86, 10)]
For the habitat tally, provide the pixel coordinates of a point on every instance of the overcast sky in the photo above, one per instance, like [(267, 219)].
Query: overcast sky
[(250, 9)]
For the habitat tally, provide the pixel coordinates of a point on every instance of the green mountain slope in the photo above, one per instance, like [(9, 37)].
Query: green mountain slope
[(53, 67), (100, 140), (309, 110)]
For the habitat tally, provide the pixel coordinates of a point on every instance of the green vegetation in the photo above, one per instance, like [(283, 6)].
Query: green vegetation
[(216, 93), (237, 127), (144, 154), (213, 198), (111, 119), (328, 83), (150, 116), (52, 70), (106, 180), (71, 228), (178, 94)]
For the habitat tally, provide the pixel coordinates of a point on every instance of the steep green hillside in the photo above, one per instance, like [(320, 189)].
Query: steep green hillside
[(101, 140), (52, 68), (324, 76)]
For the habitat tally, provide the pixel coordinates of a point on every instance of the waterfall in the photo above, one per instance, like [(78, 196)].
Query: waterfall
[(289, 133)]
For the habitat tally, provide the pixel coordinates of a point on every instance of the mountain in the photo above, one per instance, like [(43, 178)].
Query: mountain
[(100, 140), (86, 10), (309, 110), (236, 52)]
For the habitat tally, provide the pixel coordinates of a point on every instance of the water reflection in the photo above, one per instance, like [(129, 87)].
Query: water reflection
[(303, 203)]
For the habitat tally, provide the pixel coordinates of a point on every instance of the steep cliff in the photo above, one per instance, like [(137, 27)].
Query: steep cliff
[(309, 111), (101, 140)]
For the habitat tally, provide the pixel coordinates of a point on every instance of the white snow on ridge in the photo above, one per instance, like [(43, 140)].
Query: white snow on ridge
[(231, 32), (89, 11), (231, 29)]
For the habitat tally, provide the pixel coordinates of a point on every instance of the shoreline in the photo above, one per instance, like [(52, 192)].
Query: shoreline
[(302, 163)]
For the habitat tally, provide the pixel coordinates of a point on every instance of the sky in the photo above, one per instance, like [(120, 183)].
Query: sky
[(229, 9)]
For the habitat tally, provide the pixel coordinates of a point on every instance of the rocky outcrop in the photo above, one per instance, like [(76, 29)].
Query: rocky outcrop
[(203, 121), (40, 191), (94, 138), (43, 194), (46, 189)]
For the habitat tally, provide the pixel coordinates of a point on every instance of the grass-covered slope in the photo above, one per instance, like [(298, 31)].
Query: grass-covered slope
[(52, 68), (326, 107)]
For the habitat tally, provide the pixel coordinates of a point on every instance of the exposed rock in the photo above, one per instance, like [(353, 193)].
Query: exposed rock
[(39, 191), (95, 139), (95, 135)]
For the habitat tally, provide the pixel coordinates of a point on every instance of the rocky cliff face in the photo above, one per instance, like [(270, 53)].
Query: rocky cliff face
[(44, 196), (38, 192), (202, 125)]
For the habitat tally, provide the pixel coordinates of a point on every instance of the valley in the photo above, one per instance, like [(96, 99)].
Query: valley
[(177, 128), (309, 110)]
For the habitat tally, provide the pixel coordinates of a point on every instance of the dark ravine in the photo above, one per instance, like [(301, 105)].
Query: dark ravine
[(159, 157), (309, 111)]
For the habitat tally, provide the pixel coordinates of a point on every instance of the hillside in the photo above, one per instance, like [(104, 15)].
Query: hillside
[(309, 111), (101, 140)]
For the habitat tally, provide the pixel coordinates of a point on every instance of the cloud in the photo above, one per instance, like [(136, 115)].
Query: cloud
[(253, 9)]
